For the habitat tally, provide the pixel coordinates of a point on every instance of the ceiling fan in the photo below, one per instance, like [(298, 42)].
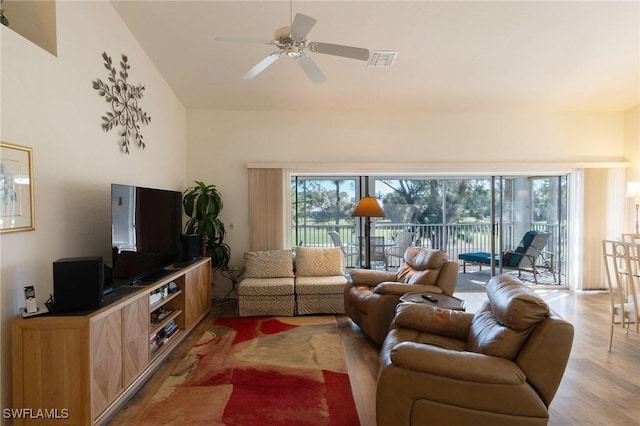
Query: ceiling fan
[(292, 42)]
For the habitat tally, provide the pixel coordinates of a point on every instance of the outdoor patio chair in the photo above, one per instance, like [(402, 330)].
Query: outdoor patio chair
[(346, 251), (402, 241), (379, 252), (528, 256)]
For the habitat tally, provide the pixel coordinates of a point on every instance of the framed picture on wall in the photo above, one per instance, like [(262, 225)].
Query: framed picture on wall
[(16, 188)]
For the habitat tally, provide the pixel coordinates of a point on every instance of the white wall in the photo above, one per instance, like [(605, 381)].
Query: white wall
[(632, 153), (632, 142), (220, 144), (48, 103)]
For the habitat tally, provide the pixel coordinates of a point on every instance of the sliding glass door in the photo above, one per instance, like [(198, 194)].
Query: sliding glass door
[(454, 214), (531, 203), (549, 213)]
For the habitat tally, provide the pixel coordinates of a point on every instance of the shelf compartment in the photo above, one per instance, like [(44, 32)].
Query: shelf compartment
[(157, 327), (171, 342), (161, 302)]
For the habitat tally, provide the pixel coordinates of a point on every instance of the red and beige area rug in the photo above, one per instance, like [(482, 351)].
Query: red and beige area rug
[(258, 371)]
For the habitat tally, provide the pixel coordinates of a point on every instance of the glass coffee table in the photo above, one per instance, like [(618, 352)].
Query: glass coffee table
[(443, 301)]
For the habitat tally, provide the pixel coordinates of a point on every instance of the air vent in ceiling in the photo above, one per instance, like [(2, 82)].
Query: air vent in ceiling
[(382, 58)]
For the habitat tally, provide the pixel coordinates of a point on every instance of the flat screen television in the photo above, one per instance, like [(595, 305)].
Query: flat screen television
[(146, 230)]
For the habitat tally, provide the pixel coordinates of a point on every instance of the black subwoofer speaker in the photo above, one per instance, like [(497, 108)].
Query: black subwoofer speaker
[(190, 247), (78, 284)]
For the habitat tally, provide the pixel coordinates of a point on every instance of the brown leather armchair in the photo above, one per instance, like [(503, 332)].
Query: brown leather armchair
[(371, 296), (501, 366)]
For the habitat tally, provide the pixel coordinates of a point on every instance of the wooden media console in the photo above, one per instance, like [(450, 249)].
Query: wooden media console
[(83, 368)]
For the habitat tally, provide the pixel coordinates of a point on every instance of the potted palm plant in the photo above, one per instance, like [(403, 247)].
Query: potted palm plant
[(203, 203), (3, 19)]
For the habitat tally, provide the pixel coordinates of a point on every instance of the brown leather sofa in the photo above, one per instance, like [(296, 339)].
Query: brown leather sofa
[(371, 296), (501, 366)]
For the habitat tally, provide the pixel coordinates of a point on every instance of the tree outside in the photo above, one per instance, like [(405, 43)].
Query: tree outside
[(435, 201), (320, 205)]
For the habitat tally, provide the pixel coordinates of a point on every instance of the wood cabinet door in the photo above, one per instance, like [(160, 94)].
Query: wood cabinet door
[(106, 360), (135, 339), (50, 367), (198, 293)]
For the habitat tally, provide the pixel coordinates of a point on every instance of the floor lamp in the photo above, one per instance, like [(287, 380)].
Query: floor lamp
[(368, 207), (633, 191)]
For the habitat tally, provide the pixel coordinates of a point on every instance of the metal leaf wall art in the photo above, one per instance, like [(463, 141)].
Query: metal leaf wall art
[(123, 97)]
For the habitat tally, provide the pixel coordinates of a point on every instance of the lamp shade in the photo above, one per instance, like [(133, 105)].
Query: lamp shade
[(368, 207), (633, 189)]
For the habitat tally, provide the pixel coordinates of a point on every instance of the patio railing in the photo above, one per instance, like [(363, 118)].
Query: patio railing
[(451, 238)]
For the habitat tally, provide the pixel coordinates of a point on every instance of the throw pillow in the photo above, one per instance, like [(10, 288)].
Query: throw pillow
[(268, 264), (319, 262)]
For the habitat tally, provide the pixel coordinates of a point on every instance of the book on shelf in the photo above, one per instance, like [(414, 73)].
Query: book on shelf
[(170, 328), (161, 336), (160, 314), (153, 343)]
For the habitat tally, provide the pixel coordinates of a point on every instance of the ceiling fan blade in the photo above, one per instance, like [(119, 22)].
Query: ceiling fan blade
[(262, 65), (243, 40), (311, 69), (301, 26), (340, 50)]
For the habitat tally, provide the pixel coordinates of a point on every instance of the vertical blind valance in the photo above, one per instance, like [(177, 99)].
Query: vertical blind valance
[(266, 208)]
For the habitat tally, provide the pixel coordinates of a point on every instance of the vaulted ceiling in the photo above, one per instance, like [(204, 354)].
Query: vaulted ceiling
[(452, 55)]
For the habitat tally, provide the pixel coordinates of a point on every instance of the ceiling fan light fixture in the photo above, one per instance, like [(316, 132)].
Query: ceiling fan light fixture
[(281, 33), (382, 58)]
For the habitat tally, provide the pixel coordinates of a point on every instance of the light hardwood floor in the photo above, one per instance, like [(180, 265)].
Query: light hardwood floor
[(598, 388)]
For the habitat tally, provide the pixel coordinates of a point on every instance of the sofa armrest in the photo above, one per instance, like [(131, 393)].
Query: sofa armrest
[(432, 320), (371, 277), (457, 365), (399, 289), (394, 288)]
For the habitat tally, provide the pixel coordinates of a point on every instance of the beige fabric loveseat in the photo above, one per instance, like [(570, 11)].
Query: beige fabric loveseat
[(277, 283), (501, 366)]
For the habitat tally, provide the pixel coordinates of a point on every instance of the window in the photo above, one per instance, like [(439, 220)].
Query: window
[(454, 214), (320, 205)]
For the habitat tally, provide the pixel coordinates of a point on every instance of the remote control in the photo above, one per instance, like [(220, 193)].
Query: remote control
[(430, 298)]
